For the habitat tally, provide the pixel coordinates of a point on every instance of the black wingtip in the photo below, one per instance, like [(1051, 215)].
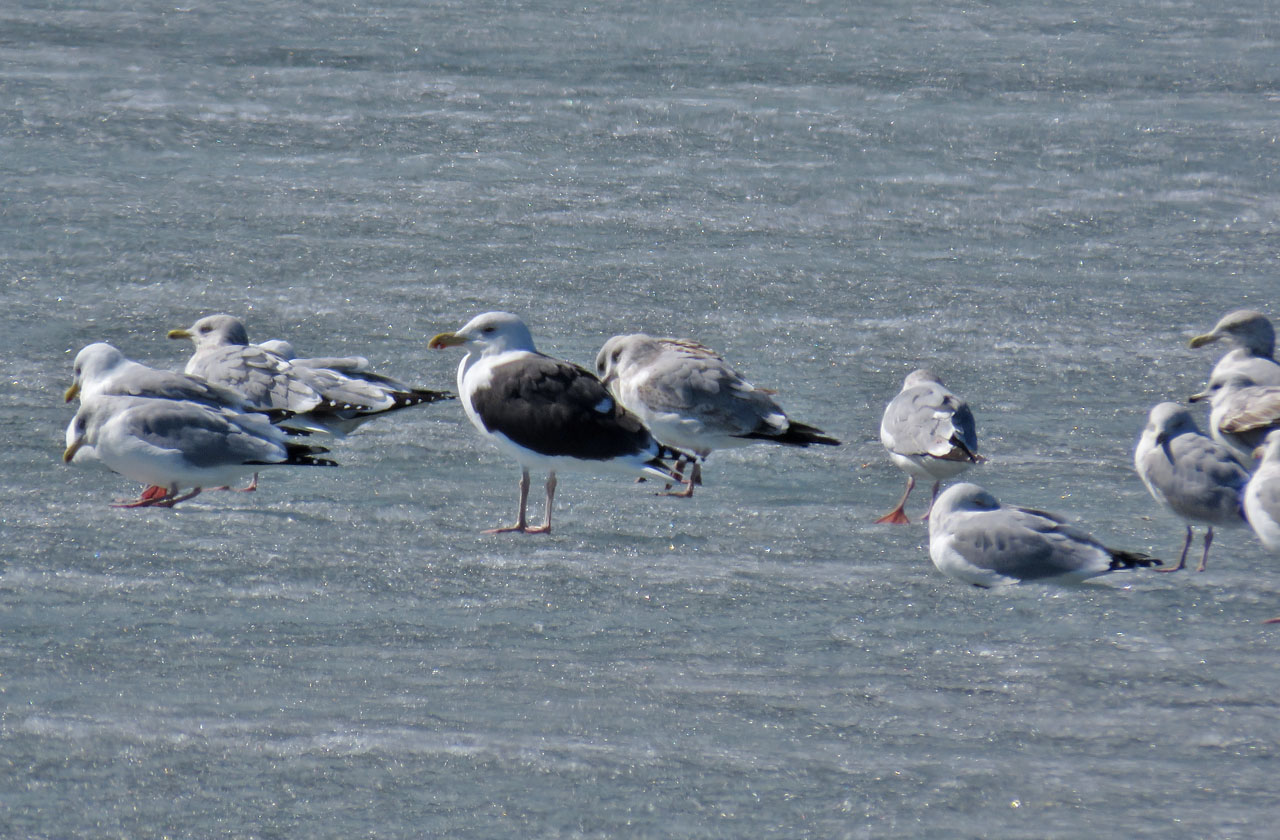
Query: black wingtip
[(1133, 560)]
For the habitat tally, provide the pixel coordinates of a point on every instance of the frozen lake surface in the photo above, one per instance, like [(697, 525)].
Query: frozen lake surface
[(1040, 201)]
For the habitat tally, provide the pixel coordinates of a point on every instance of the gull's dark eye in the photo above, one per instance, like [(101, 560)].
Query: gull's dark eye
[(617, 354), (488, 329), (205, 329)]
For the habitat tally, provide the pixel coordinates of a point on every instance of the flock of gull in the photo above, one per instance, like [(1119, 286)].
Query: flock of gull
[(656, 408)]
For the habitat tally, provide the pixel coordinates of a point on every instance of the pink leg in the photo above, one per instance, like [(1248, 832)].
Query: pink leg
[(932, 498), (545, 527), (522, 523), (898, 515), (1182, 561)]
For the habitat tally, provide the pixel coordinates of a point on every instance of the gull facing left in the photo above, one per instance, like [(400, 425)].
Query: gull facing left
[(546, 413), (176, 444), (976, 539)]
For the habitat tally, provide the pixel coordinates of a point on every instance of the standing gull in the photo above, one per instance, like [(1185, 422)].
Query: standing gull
[(929, 433), (690, 399), (1196, 478), (544, 412), (1252, 340), (974, 538), (322, 399), (176, 444)]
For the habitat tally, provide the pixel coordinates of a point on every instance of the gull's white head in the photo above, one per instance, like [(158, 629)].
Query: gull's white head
[(93, 363), (620, 352), (960, 498), (215, 331), (1222, 384), (1246, 328), (1167, 420), (488, 334)]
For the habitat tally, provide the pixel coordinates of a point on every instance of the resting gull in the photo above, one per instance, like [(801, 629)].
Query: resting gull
[(1198, 479), (974, 538), (1252, 340), (175, 444), (544, 412), (930, 434), (690, 399), (322, 398)]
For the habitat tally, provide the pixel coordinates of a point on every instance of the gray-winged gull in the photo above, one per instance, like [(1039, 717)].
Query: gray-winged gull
[(692, 400), (320, 398), (1252, 340), (974, 538), (929, 433), (1196, 478), (176, 444)]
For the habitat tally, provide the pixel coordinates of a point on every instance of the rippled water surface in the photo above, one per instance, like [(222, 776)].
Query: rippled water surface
[(1040, 201)]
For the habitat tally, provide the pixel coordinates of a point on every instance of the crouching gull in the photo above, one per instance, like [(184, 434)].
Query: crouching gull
[(176, 444), (321, 398), (929, 433), (976, 539), (1198, 479), (544, 412), (1252, 340), (690, 399), (100, 368)]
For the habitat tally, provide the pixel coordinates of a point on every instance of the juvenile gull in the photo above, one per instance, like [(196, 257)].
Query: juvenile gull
[(929, 433), (321, 398), (690, 399), (544, 412), (175, 444), (1252, 340), (1198, 479), (1242, 413), (974, 538)]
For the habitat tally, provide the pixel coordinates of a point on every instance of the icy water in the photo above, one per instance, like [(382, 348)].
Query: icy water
[(1041, 201)]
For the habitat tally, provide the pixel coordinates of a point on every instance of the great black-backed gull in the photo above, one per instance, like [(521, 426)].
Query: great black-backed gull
[(974, 538), (929, 433), (320, 398), (546, 413), (690, 399), (1198, 479), (175, 444)]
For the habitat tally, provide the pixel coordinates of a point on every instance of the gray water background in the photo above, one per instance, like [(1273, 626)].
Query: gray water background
[(1041, 201)]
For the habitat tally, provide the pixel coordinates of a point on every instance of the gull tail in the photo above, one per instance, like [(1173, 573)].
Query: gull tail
[(301, 455), (1131, 560), (796, 434)]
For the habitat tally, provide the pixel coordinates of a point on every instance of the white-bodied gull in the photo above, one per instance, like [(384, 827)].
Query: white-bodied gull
[(974, 538), (1196, 478), (1252, 340), (691, 399), (175, 444), (321, 398), (546, 413), (929, 433), (1242, 412)]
